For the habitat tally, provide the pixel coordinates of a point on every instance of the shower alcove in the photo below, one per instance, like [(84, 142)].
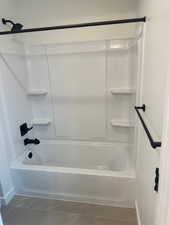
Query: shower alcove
[(82, 96)]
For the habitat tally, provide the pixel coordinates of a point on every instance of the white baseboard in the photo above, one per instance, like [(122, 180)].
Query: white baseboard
[(8, 197), (137, 212), (77, 198)]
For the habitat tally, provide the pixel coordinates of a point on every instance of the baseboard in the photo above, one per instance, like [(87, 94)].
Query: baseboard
[(78, 198), (137, 212), (8, 197)]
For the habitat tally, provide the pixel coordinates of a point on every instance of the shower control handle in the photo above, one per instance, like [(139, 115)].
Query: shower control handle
[(24, 129)]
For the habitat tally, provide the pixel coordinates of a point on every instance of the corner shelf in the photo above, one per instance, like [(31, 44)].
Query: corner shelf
[(38, 122), (37, 92), (121, 123), (122, 91)]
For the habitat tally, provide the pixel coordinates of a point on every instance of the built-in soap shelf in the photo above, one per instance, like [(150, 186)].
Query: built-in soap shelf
[(122, 91), (121, 123), (37, 92), (39, 122)]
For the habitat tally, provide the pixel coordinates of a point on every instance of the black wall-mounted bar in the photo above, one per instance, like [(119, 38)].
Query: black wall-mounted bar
[(70, 26), (153, 143)]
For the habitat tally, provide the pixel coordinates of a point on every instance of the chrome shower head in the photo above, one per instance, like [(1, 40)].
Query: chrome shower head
[(16, 27)]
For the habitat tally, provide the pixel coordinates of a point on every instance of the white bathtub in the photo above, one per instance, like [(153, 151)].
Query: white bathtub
[(78, 171)]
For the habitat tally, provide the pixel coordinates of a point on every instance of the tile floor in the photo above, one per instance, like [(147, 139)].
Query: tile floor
[(36, 211)]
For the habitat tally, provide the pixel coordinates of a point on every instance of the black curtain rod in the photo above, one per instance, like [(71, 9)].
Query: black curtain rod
[(70, 26)]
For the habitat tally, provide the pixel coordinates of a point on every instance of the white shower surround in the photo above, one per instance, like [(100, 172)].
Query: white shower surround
[(65, 170), (82, 156), (78, 79)]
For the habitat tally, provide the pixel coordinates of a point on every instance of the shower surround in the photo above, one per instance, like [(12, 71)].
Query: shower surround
[(82, 96)]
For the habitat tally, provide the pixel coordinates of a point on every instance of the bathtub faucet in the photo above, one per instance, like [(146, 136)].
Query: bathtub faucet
[(28, 141)]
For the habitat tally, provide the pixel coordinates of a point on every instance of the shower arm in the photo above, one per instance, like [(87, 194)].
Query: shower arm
[(4, 21), (16, 27)]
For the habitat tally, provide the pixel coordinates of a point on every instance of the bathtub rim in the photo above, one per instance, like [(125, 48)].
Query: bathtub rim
[(18, 165)]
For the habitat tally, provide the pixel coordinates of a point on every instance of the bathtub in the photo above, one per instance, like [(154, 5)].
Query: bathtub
[(92, 172)]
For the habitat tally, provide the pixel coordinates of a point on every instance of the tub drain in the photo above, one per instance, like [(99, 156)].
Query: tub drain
[(30, 155)]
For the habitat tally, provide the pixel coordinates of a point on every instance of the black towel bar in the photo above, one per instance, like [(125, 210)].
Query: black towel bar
[(153, 143)]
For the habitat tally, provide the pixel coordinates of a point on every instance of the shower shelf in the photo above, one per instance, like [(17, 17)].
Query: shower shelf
[(122, 91), (41, 122), (121, 123), (37, 92)]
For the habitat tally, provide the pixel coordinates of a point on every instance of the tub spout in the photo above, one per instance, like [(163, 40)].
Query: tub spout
[(28, 141)]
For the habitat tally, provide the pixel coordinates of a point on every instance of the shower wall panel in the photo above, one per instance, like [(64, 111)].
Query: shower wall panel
[(78, 90), (78, 78)]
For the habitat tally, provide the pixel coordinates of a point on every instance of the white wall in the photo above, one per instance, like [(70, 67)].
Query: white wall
[(6, 184), (156, 58), (48, 13), (14, 87), (6, 9), (13, 103), (15, 107)]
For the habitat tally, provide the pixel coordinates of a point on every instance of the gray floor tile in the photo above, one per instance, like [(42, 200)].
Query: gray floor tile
[(104, 221), (84, 220), (36, 211), (19, 216)]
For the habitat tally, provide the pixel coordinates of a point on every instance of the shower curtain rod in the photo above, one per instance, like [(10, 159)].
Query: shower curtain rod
[(70, 26)]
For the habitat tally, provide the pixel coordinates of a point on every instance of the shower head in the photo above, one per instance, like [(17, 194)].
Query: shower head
[(16, 27)]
